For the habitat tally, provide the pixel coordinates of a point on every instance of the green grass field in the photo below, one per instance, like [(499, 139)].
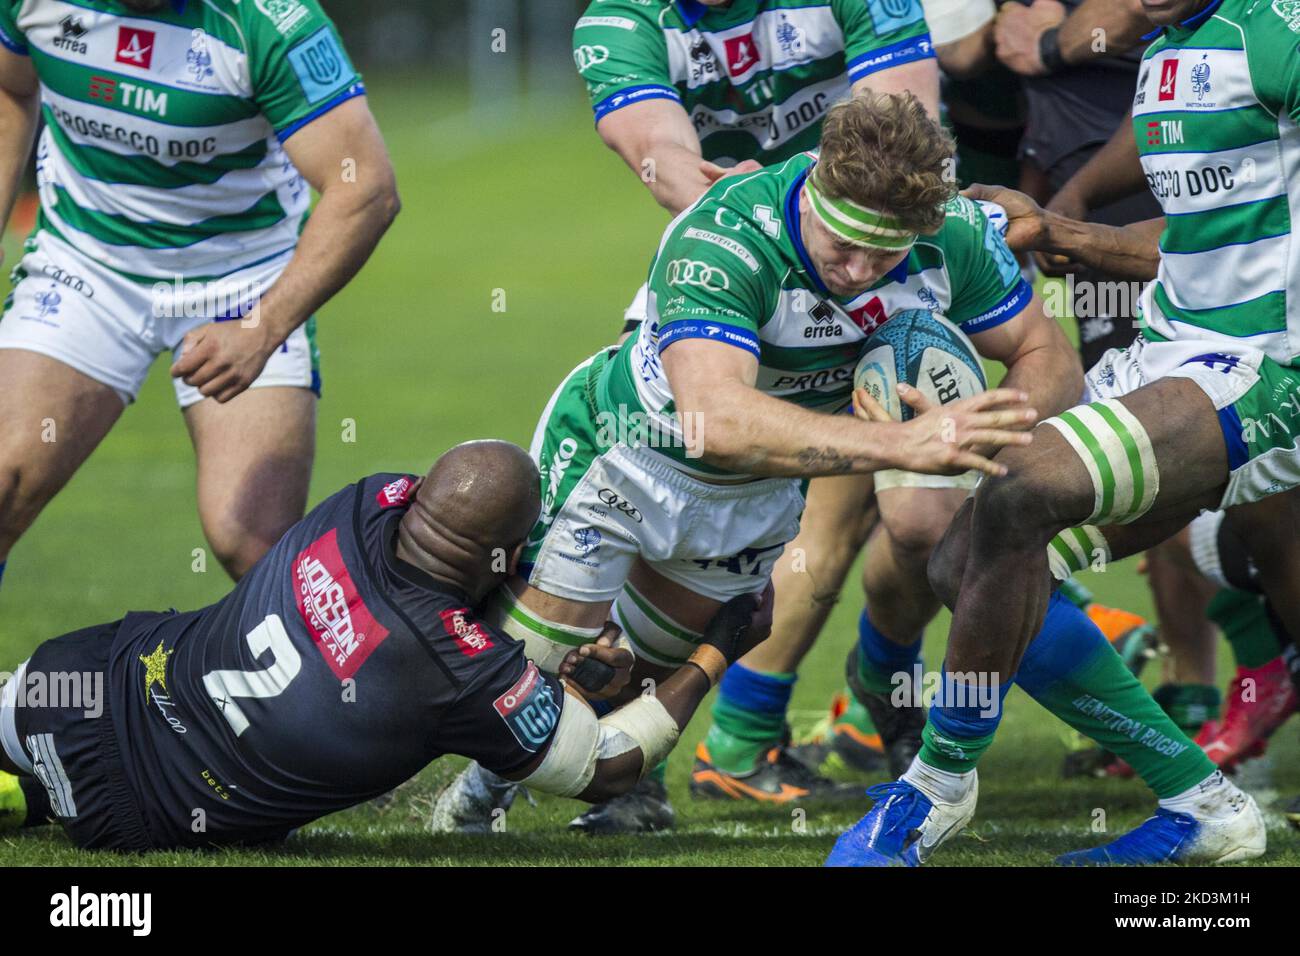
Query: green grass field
[(414, 354)]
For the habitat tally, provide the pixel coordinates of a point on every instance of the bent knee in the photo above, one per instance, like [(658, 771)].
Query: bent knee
[(916, 534), (1017, 507), (944, 569)]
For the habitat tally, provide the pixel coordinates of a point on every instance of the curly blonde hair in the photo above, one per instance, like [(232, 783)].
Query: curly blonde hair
[(883, 151)]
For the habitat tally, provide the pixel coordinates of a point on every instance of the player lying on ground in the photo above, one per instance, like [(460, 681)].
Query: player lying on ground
[(673, 464), (346, 660), (181, 143), (1198, 414)]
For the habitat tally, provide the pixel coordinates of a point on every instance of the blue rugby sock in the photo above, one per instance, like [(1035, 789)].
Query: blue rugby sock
[(879, 658), (962, 721), (2, 570)]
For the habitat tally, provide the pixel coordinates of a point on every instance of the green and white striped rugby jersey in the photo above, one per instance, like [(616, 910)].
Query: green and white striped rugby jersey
[(162, 154), (756, 77), (732, 268), (1215, 115)]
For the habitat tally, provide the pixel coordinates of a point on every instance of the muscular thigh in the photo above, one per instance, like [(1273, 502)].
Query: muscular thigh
[(1187, 440), (254, 457), (1152, 456)]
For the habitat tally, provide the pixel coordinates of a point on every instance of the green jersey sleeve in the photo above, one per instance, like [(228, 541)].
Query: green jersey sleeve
[(297, 63), (983, 275), (880, 34), (1273, 55), (707, 285), (622, 56), (11, 38)]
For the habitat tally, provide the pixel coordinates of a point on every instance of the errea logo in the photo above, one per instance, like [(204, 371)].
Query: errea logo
[(396, 492)]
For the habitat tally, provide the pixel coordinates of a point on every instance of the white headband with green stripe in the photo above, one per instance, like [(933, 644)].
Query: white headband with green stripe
[(857, 224)]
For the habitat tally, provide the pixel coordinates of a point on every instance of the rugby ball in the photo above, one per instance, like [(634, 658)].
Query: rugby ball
[(925, 350)]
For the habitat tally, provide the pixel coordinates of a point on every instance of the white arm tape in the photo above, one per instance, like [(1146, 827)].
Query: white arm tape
[(951, 20), (570, 763), (649, 726), (580, 740)]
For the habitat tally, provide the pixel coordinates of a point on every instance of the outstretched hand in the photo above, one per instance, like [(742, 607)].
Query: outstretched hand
[(950, 439)]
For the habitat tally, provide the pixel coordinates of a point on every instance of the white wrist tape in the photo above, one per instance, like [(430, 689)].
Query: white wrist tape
[(951, 20), (649, 726), (570, 763)]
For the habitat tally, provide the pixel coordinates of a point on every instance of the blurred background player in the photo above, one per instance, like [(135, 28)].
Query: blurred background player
[(180, 147), (337, 668)]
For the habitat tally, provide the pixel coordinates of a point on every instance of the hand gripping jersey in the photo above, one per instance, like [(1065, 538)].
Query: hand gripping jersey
[(162, 154), (757, 76), (1215, 116), (732, 268), (329, 675)]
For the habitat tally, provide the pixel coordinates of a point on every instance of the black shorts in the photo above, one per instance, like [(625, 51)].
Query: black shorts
[(76, 756)]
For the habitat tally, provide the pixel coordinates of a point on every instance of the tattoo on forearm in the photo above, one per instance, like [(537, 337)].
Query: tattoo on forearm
[(826, 460)]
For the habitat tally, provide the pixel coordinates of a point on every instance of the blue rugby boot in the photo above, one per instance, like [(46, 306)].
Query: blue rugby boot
[(1224, 825), (903, 828)]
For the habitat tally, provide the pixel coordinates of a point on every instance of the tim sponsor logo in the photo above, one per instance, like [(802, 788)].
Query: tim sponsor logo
[(77, 909)]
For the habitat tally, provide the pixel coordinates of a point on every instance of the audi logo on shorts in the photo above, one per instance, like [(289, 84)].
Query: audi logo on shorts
[(694, 272), (75, 283), (618, 503), (587, 56)]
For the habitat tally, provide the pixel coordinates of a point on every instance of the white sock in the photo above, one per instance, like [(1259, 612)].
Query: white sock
[(1214, 798), (941, 786)]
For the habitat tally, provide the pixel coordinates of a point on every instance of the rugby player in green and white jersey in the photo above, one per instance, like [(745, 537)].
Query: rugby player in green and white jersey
[(673, 467), (675, 82), (682, 89), (182, 140), (1202, 412)]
